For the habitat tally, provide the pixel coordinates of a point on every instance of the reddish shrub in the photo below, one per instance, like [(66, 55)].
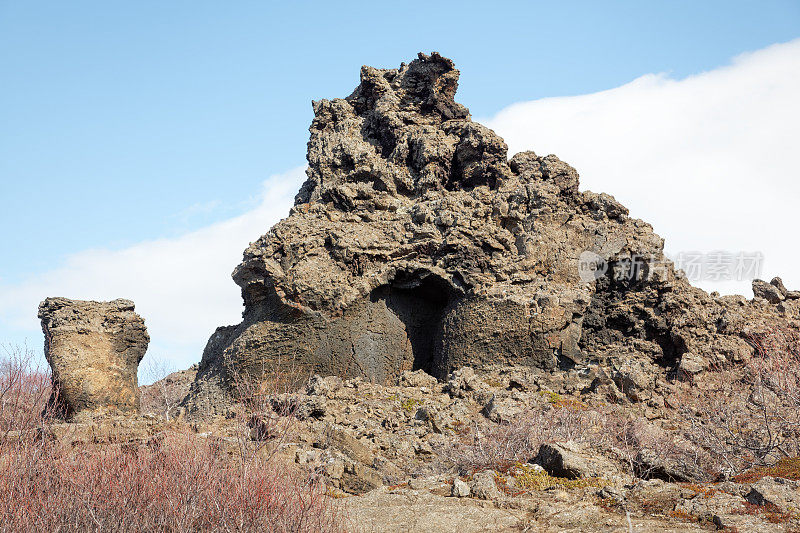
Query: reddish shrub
[(24, 391), (787, 468), (748, 415), (183, 484)]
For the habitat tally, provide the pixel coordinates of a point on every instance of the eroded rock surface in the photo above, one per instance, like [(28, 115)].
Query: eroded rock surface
[(416, 244), (94, 350)]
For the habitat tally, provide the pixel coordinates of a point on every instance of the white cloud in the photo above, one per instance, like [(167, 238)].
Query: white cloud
[(710, 161), (181, 286)]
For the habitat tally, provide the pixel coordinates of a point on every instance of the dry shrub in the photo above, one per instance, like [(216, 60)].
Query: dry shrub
[(266, 412), (609, 430), (183, 484), (177, 482), (748, 415), (489, 445), (648, 451), (24, 391), (162, 395)]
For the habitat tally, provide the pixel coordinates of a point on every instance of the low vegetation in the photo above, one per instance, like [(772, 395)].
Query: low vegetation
[(748, 415), (738, 423), (175, 481)]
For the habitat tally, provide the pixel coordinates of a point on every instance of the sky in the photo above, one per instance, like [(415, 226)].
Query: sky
[(143, 145)]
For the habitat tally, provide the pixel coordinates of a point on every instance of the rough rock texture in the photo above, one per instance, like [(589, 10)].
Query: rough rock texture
[(94, 349), (783, 494), (572, 461), (402, 457), (163, 397), (416, 243)]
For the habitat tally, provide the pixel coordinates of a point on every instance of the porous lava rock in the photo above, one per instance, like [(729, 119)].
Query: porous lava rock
[(416, 244), (94, 350)]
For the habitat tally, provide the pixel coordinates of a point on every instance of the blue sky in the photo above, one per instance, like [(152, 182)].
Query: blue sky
[(129, 122)]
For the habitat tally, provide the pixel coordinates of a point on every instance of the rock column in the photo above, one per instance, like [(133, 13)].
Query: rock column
[(94, 350)]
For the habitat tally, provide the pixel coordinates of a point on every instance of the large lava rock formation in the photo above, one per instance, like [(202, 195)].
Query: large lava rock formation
[(416, 244)]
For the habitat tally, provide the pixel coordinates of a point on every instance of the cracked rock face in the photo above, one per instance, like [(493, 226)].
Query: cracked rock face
[(415, 243), (94, 350)]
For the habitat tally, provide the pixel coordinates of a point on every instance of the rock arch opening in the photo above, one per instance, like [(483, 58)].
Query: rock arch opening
[(419, 303)]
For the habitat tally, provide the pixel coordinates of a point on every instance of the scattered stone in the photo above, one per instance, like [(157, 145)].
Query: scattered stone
[(484, 486), (635, 379), (572, 460), (723, 510), (768, 291), (416, 483), (692, 364), (326, 387), (737, 489), (612, 493), (503, 409), (418, 378), (460, 489), (463, 383)]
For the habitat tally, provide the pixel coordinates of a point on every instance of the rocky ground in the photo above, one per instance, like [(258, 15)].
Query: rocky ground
[(512, 449)]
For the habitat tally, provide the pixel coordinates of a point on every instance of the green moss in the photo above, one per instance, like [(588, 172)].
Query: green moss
[(409, 405), (552, 397), (526, 477)]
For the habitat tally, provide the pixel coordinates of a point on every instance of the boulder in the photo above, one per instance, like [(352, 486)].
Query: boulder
[(769, 291), (692, 364), (778, 284), (94, 350), (572, 460), (650, 464), (359, 478), (347, 444), (778, 493), (484, 486), (460, 489), (417, 378)]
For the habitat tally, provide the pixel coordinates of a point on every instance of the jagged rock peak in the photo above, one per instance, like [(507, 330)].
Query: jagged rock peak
[(401, 132)]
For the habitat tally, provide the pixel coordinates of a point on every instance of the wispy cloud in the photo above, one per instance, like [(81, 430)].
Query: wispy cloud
[(182, 286), (710, 160)]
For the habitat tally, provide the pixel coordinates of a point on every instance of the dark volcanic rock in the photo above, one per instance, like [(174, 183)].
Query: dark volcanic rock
[(416, 244)]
